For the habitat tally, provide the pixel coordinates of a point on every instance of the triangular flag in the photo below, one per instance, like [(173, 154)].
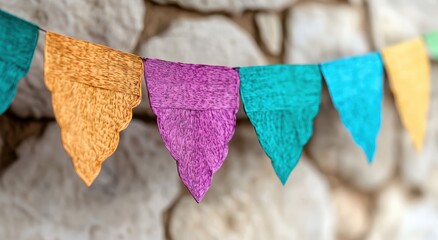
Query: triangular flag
[(94, 89), (408, 69), (431, 40), (356, 88), (196, 108), (18, 40), (281, 102)]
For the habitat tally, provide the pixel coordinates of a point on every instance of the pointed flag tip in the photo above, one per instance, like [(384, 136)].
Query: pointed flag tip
[(88, 178), (198, 195), (87, 182), (283, 175), (370, 156), (418, 145), (283, 181)]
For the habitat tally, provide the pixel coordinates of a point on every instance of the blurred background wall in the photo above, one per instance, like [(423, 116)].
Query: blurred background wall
[(332, 194)]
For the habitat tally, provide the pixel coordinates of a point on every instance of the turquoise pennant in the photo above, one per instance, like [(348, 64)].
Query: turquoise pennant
[(18, 40), (281, 102), (356, 88)]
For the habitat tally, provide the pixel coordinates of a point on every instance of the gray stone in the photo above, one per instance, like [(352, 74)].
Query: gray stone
[(270, 29), (247, 201), (335, 151), (320, 32), (393, 21), (232, 6), (114, 23), (214, 40), (41, 197)]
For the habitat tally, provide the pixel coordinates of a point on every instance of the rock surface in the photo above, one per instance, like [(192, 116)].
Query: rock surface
[(41, 197), (114, 23), (318, 32), (270, 29), (391, 204), (393, 21), (213, 40), (232, 6), (335, 152), (401, 217), (352, 212), (247, 201)]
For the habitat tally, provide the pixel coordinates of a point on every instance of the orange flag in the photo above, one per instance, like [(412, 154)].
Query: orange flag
[(94, 89), (408, 69)]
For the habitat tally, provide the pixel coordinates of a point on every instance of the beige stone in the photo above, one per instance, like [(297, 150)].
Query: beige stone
[(401, 217), (247, 201), (41, 197), (271, 31), (232, 6), (318, 32), (393, 21), (352, 213)]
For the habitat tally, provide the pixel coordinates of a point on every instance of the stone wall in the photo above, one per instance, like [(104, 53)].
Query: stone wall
[(332, 194)]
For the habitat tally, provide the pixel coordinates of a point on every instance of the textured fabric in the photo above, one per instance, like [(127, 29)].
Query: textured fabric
[(94, 89), (356, 88), (408, 68), (18, 40), (431, 40), (196, 108), (281, 102)]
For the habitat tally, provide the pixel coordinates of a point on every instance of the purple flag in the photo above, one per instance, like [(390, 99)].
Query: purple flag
[(196, 108)]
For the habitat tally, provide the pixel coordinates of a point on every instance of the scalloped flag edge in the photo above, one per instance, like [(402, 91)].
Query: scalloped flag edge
[(196, 108), (94, 89)]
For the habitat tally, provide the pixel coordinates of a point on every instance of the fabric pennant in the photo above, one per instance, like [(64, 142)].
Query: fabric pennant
[(356, 87), (196, 108), (94, 89), (431, 40), (281, 102), (408, 69), (18, 41)]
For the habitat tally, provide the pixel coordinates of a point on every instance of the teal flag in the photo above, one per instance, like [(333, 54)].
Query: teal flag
[(281, 102), (356, 88), (18, 40)]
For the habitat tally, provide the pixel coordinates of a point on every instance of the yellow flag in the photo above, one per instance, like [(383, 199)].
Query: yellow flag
[(408, 69), (94, 89)]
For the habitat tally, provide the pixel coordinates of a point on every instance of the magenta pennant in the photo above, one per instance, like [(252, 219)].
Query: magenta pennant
[(196, 108)]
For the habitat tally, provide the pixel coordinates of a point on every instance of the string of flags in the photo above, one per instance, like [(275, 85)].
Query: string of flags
[(94, 89)]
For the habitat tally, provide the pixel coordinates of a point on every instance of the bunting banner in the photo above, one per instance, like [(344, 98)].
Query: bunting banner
[(18, 41), (95, 88), (408, 70), (196, 108), (431, 40), (356, 88), (281, 102)]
